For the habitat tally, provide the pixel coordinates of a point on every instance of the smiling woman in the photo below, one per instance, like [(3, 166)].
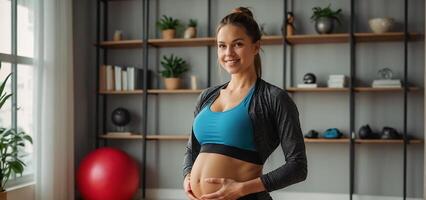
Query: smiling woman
[(239, 124)]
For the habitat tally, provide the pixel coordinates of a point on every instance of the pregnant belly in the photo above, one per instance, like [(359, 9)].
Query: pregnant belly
[(212, 165)]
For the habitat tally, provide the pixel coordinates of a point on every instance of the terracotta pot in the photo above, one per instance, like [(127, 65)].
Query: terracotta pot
[(169, 34), (172, 83), (190, 32), (3, 195)]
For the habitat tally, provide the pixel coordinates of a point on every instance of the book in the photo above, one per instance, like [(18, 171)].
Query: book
[(387, 82), (391, 83), (124, 83), (135, 78), (117, 78), (109, 77), (131, 78), (305, 85)]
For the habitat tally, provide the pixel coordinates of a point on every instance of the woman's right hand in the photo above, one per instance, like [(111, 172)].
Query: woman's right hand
[(187, 187)]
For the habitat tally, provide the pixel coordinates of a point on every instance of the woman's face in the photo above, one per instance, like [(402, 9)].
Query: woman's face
[(235, 49)]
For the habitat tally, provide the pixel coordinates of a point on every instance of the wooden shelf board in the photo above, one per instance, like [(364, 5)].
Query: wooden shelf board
[(121, 92), (123, 44), (322, 140), (356, 89), (391, 36), (266, 40), (344, 37), (139, 136), (179, 91), (122, 137), (316, 38), (272, 40), (167, 137), (181, 42), (381, 141), (370, 89), (319, 89)]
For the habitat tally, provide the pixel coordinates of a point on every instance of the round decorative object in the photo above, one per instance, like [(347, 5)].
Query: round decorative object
[(324, 25), (385, 73), (312, 134), (120, 117), (108, 174), (309, 78), (365, 132), (390, 133), (381, 25)]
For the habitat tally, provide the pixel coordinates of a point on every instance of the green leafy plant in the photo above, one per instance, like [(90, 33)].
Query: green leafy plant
[(167, 23), (173, 66), (192, 23), (11, 141), (319, 12)]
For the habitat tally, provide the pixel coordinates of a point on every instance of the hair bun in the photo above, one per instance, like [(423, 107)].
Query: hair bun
[(243, 10)]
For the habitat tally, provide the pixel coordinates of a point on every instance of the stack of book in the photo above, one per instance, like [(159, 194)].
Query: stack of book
[(117, 78), (336, 81), (386, 83)]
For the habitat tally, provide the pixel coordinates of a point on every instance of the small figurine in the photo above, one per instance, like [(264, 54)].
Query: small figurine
[(118, 35), (290, 23), (262, 29)]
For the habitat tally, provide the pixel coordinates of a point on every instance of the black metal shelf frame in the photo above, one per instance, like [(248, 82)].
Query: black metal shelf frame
[(101, 100), (352, 43)]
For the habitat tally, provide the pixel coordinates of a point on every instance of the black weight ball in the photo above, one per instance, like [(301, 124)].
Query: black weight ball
[(120, 117), (309, 78), (365, 132)]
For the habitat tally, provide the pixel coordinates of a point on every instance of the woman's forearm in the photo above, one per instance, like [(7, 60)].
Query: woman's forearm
[(252, 186)]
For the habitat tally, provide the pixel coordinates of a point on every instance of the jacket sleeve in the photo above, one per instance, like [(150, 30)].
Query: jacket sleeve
[(286, 120), (192, 147)]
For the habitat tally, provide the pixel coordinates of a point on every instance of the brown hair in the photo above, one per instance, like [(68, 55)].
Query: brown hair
[(243, 17)]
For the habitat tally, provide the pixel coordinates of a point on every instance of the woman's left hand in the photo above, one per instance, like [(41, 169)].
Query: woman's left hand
[(230, 189)]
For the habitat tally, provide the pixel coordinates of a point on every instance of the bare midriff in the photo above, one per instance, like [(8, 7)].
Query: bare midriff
[(212, 165)]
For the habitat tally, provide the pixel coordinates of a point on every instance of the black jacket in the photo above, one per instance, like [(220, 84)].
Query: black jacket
[(275, 121)]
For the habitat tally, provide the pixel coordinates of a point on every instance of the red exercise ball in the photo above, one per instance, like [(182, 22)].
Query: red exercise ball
[(108, 174)]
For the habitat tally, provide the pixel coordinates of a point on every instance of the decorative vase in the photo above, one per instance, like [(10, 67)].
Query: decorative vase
[(324, 25), (169, 34), (381, 25), (190, 32), (172, 83)]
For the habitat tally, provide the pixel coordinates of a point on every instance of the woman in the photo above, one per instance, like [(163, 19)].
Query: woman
[(239, 124)]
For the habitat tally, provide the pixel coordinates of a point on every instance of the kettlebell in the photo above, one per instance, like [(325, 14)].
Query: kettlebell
[(312, 134), (365, 132), (390, 133)]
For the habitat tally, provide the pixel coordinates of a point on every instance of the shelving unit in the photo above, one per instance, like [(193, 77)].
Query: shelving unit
[(144, 43), (353, 37)]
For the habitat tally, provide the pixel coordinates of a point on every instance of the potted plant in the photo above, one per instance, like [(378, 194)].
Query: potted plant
[(11, 141), (191, 31), (324, 19), (174, 67), (168, 27)]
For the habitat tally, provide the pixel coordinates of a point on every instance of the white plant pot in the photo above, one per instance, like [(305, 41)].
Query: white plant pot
[(190, 32)]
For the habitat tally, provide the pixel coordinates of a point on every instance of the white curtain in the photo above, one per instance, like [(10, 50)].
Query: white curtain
[(54, 144)]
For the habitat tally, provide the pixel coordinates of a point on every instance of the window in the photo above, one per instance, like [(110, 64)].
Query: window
[(16, 56)]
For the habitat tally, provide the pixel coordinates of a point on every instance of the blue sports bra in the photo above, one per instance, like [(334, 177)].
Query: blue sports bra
[(229, 132)]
